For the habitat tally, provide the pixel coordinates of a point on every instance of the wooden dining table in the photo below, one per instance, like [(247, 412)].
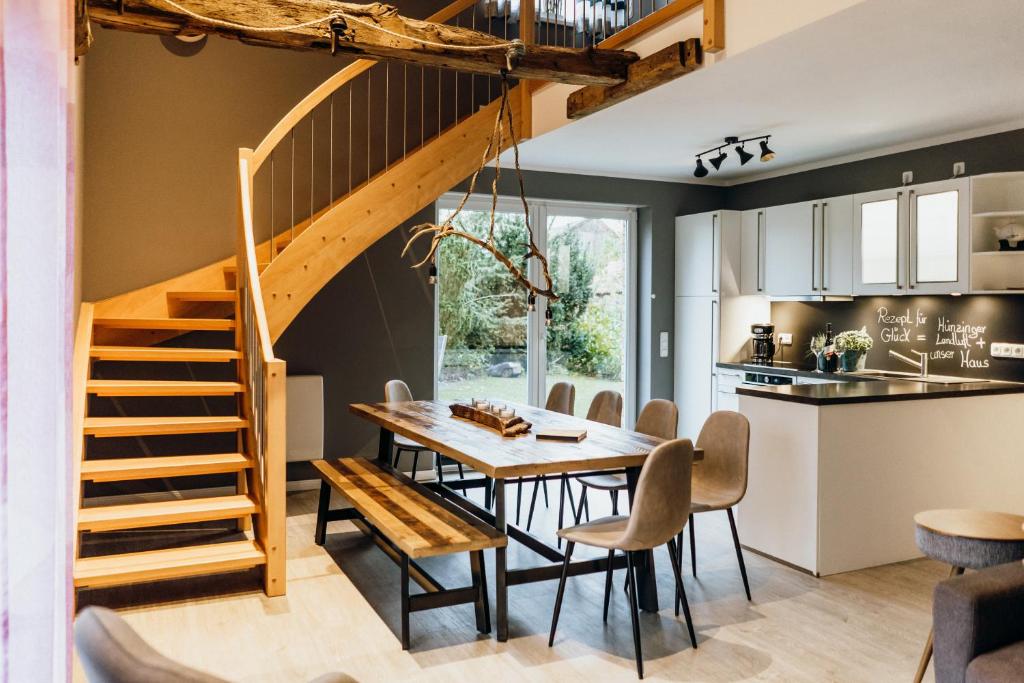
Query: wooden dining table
[(501, 458)]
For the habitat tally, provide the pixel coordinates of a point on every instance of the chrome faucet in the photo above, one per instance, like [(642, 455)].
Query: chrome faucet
[(921, 365)]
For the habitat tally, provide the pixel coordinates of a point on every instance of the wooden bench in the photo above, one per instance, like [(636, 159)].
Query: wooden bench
[(411, 522)]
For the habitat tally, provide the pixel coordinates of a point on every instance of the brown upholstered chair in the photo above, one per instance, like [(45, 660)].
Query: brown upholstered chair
[(659, 418), (660, 510), (606, 408), (397, 391), (720, 480)]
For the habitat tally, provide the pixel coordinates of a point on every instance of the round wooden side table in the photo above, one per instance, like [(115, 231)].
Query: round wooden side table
[(966, 539)]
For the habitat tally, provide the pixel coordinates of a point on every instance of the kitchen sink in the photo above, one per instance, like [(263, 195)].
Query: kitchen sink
[(914, 377)]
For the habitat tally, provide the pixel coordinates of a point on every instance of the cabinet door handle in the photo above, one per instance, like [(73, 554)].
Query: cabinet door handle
[(911, 216), (713, 304), (814, 235), (760, 285), (714, 252), (899, 198), (824, 212)]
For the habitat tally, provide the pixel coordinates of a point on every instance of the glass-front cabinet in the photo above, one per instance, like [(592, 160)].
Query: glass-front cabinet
[(913, 240)]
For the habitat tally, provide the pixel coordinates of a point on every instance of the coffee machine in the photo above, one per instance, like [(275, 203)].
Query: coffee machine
[(762, 343)]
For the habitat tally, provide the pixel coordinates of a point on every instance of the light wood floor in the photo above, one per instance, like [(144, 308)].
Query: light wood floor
[(341, 613)]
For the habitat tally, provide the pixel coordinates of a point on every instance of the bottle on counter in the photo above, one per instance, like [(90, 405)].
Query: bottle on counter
[(829, 350)]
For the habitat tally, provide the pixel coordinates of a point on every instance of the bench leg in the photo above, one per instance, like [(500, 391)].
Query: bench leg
[(483, 609), (500, 579), (405, 601), (320, 536)]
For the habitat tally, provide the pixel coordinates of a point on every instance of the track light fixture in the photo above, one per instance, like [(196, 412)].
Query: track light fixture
[(739, 146)]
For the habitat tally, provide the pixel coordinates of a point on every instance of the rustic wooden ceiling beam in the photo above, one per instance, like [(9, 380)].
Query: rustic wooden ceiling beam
[(444, 47), (663, 66)]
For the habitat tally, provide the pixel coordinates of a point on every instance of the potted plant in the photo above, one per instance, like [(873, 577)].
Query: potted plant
[(853, 347), (816, 348)]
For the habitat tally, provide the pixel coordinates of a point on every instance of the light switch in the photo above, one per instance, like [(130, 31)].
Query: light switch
[(663, 340)]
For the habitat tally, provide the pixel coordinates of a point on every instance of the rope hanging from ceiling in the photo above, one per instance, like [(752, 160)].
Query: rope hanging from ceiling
[(448, 229)]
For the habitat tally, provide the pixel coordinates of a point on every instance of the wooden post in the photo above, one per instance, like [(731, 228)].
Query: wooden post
[(714, 25), (274, 517), (527, 33)]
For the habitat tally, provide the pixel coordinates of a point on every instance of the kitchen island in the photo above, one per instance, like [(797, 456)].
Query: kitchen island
[(837, 471)]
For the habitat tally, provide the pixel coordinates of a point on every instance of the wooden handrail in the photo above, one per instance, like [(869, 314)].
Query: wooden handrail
[(79, 379), (247, 251), (324, 90)]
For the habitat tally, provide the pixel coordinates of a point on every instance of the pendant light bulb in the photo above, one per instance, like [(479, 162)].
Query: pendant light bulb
[(548, 316), (432, 274), (743, 154), (719, 160), (766, 154), (701, 169), (531, 303)]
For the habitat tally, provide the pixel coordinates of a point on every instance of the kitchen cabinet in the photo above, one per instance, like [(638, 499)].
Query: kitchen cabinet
[(807, 248), (752, 252), (698, 240), (913, 239), (696, 352)]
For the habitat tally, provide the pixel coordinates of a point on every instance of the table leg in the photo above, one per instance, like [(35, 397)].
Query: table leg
[(500, 579), (646, 580), (384, 446)]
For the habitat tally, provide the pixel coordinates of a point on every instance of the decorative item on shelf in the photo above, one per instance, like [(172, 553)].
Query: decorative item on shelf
[(739, 146), (817, 349), (503, 126), (1010, 236), (503, 419), (853, 347)]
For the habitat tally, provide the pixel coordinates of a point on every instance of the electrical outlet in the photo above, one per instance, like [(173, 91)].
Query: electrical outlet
[(785, 338), (1018, 350), (1004, 350)]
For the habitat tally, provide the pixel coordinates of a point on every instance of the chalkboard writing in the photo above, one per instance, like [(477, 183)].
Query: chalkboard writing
[(955, 332)]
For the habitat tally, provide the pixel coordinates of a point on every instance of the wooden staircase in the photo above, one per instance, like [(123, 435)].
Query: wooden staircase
[(119, 371)]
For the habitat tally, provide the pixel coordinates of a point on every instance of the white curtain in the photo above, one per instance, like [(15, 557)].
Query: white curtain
[(36, 322)]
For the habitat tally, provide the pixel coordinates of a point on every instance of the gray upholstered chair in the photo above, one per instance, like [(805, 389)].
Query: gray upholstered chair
[(966, 539), (112, 652), (979, 626), (561, 399), (659, 418), (720, 480), (397, 391), (659, 513)]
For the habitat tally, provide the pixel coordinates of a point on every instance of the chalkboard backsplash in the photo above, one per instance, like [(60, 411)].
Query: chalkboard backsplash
[(956, 332)]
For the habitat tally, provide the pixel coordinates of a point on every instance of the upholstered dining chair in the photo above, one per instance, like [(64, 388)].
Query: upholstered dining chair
[(112, 652), (397, 391), (720, 482), (659, 418), (659, 513), (561, 399)]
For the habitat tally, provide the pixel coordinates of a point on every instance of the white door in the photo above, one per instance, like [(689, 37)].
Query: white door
[(752, 252), (789, 249), (697, 250), (879, 242), (696, 322), (939, 236), (835, 243)]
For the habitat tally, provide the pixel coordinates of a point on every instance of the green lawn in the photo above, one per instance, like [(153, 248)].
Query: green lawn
[(514, 389)]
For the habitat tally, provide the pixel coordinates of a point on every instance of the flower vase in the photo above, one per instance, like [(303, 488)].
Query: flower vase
[(852, 361)]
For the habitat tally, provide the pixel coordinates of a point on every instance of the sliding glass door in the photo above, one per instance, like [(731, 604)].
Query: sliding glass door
[(489, 345)]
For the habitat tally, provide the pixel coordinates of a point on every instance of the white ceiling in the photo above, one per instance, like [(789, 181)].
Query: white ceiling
[(881, 74)]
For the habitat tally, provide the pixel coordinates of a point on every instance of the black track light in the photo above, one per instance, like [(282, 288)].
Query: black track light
[(432, 274), (766, 154), (719, 160), (701, 169), (744, 155)]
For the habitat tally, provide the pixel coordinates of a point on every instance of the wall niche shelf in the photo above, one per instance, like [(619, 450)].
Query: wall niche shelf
[(997, 200)]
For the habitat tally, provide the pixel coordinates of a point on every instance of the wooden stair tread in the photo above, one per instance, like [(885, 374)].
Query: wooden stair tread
[(203, 295), (211, 324), (141, 426), (420, 526), (125, 469), (138, 515), (150, 387), (163, 353), (154, 565)]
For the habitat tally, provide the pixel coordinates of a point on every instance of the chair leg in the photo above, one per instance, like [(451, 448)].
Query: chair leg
[(415, 464), (568, 490), (462, 474), (398, 455), (634, 614), (681, 592), (488, 483), (739, 552), (615, 501), (545, 485), (679, 559), (583, 503), (693, 549), (519, 499), (440, 473), (561, 591), (561, 507), (320, 536), (482, 604), (405, 601), (533, 504), (608, 584)]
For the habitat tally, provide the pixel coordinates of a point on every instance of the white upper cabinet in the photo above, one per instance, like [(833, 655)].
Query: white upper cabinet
[(708, 254), (912, 240), (835, 246), (790, 249), (752, 252)]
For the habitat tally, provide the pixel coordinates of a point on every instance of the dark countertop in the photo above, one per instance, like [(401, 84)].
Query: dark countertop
[(875, 391), (790, 370)]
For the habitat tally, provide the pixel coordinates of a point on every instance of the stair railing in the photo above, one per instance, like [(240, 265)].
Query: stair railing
[(263, 377)]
